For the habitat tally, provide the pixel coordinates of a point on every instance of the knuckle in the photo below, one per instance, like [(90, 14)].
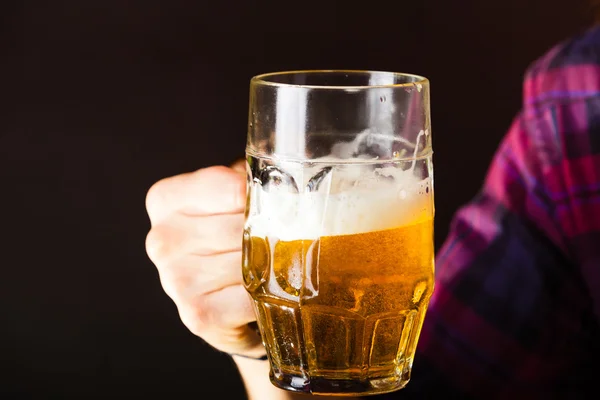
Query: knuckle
[(155, 197), (200, 318), (157, 245), (191, 321), (174, 283)]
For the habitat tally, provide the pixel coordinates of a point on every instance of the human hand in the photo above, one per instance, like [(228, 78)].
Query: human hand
[(195, 242)]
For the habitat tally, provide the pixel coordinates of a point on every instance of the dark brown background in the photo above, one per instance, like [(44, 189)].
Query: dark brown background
[(103, 97)]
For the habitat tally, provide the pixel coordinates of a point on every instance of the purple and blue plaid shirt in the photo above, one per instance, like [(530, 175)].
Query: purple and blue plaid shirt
[(516, 307)]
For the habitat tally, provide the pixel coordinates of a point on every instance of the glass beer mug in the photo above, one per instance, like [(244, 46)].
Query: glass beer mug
[(338, 252)]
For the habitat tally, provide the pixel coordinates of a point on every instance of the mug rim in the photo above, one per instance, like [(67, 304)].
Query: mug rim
[(264, 79)]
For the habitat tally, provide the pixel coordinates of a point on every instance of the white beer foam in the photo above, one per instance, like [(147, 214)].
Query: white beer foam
[(356, 201)]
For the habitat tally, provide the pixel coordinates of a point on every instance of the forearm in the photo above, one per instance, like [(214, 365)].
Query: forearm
[(255, 375)]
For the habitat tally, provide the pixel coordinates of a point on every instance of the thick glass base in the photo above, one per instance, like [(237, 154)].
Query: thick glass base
[(340, 387)]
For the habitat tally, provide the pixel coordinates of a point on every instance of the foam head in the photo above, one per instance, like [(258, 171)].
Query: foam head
[(357, 196)]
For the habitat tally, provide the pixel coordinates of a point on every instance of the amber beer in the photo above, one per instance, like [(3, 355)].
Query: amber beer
[(340, 303)]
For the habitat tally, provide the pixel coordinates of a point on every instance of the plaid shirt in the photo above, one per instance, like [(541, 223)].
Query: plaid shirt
[(517, 298)]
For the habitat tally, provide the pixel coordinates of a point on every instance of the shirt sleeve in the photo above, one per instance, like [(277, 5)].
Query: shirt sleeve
[(509, 315)]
